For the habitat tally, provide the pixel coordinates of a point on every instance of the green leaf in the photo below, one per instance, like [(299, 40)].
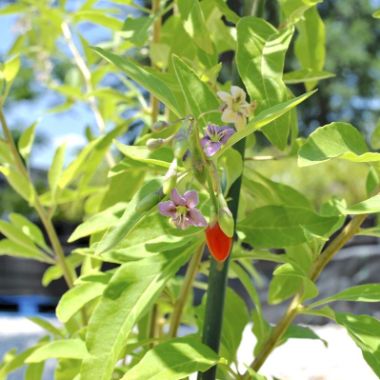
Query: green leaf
[(136, 30), (264, 118), (46, 325), (310, 43), (195, 25), (128, 221), (99, 222), (56, 169), (228, 12), (289, 279), (75, 298), (131, 290), (306, 76), (260, 60), (18, 181), (26, 141), (34, 371), (359, 293), (13, 8), (98, 17), (293, 10), (144, 155), (281, 226), (198, 95), (301, 332), (376, 14), (369, 206), (335, 140), (162, 85), (29, 229), (11, 68), (11, 248), (173, 360), (68, 348), (264, 192), (365, 332)]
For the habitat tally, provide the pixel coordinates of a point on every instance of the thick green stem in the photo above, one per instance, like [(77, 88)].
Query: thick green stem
[(185, 291), (217, 282), (295, 306)]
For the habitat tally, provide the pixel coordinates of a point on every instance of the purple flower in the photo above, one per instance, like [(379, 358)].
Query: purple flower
[(182, 210), (215, 137)]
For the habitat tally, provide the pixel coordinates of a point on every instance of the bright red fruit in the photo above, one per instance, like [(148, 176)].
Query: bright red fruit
[(219, 244)]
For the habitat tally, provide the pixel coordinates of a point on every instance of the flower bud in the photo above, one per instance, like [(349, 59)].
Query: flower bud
[(153, 144), (158, 126), (150, 201), (180, 143), (170, 179)]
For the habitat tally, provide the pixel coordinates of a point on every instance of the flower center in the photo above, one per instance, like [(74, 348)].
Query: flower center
[(181, 210)]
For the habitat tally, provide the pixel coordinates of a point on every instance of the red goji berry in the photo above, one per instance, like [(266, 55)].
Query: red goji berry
[(219, 244)]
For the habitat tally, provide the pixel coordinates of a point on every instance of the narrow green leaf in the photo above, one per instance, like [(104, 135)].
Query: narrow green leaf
[(26, 141), (11, 248), (306, 76), (99, 222), (98, 17), (359, 293), (47, 326), (56, 169), (173, 360), (134, 286), (29, 229), (75, 298), (11, 68), (162, 85), (198, 95), (68, 348), (376, 14), (128, 221), (136, 30), (335, 140)]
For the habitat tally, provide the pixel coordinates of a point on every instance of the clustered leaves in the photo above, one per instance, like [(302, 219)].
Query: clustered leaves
[(151, 202)]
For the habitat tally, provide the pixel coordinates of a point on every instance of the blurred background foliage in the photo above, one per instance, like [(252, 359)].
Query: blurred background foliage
[(353, 95)]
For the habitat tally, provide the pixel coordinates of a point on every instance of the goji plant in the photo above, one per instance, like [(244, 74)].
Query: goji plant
[(170, 187)]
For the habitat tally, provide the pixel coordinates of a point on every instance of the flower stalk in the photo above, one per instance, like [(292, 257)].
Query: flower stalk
[(185, 291)]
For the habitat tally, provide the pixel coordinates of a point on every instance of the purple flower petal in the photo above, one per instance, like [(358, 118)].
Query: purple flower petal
[(177, 198), (227, 132), (167, 208), (191, 198), (211, 148), (196, 218), (212, 130)]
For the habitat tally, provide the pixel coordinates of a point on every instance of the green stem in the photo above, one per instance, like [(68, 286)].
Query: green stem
[(217, 282), (185, 290), (296, 305)]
